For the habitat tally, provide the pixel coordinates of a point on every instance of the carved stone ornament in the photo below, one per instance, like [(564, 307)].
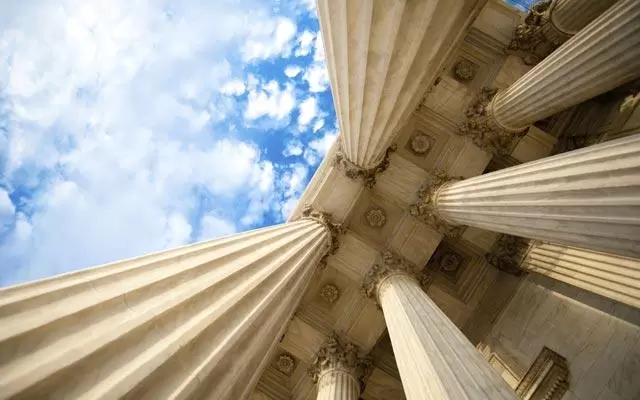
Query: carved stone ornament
[(375, 217), (391, 264), (335, 229), (538, 36), (450, 262), (420, 144), (464, 70), (507, 253), (339, 354), (330, 293), (425, 208), (547, 378), (355, 172), (484, 130), (285, 363)]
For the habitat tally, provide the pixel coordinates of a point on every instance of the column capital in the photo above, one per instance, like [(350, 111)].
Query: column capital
[(335, 229), (391, 264), (338, 354), (538, 36), (356, 172), (484, 129), (425, 207), (508, 252)]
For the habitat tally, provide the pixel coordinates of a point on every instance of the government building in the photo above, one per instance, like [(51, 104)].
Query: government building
[(474, 233)]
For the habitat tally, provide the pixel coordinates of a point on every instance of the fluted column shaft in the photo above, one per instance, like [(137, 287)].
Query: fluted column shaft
[(338, 384), (381, 57), (435, 359), (608, 275), (569, 16), (194, 322), (602, 56), (588, 198)]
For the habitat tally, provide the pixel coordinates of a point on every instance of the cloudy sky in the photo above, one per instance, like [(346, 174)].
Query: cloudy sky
[(129, 126)]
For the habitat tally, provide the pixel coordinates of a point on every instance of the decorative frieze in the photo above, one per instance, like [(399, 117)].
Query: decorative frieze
[(537, 37), (355, 172), (326, 219), (507, 253), (482, 127), (341, 355), (425, 207)]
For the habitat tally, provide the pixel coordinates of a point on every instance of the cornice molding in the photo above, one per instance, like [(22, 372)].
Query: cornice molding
[(482, 127), (355, 172), (425, 209)]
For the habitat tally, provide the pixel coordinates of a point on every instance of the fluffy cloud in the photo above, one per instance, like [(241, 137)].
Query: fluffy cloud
[(270, 100), (214, 226), (318, 148), (292, 71), (269, 38), (293, 148), (308, 111), (305, 43), (316, 75), (233, 88)]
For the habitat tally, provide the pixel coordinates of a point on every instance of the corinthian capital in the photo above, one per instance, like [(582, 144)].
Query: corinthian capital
[(391, 264), (342, 355), (355, 172), (483, 128), (538, 36), (335, 229), (425, 208)]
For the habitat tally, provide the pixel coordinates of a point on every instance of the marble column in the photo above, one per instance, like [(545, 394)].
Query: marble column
[(435, 359), (602, 56), (381, 57), (551, 23), (588, 198), (608, 275), (192, 322), (339, 371)]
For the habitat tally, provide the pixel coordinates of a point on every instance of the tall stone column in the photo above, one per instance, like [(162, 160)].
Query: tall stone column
[(192, 322), (381, 57), (588, 198), (608, 275), (551, 23), (435, 360), (603, 55), (339, 371)]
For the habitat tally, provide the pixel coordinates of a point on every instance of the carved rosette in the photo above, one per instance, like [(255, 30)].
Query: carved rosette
[(355, 172), (330, 293), (285, 363), (508, 252), (464, 71), (375, 217), (483, 128), (392, 264), (425, 209), (335, 229), (342, 355), (538, 36)]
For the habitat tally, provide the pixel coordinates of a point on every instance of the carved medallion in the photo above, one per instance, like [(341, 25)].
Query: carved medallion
[(285, 363), (464, 70), (420, 144), (330, 293), (450, 262), (507, 253), (375, 217)]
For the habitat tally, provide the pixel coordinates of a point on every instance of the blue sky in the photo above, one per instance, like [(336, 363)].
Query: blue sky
[(130, 126)]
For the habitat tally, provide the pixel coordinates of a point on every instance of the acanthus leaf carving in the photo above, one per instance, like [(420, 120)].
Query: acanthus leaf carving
[(336, 353), (355, 172), (335, 229), (391, 264), (484, 130), (425, 208)]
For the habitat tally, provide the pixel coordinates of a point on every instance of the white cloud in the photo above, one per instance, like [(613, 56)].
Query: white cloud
[(115, 103), (213, 226), (292, 71), (305, 43), (233, 88), (317, 78), (318, 49), (293, 148), (269, 38), (319, 124), (308, 111), (6, 205), (270, 100), (318, 148)]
